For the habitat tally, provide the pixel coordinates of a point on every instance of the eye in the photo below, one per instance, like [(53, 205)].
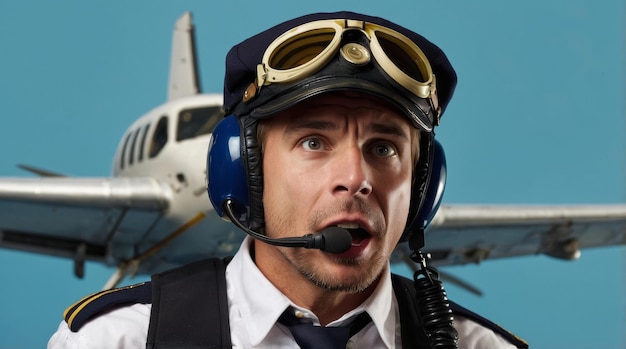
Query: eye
[(312, 144), (384, 150)]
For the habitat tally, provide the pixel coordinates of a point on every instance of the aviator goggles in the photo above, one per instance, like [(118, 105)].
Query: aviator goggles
[(304, 50)]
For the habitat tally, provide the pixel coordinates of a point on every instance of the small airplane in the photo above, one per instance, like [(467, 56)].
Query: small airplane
[(153, 213)]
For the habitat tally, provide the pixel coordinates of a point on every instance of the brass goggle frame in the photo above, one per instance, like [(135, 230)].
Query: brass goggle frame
[(278, 65)]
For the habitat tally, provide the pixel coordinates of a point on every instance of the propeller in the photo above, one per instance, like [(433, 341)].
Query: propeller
[(40, 172)]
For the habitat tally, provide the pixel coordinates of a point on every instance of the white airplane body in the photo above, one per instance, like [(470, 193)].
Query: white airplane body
[(154, 212)]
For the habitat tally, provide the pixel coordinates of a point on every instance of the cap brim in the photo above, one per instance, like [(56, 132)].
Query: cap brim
[(416, 111)]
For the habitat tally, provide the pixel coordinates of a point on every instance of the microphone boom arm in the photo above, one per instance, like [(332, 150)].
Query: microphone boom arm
[(332, 239)]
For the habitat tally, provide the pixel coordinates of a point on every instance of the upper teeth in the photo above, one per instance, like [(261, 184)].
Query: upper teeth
[(348, 225)]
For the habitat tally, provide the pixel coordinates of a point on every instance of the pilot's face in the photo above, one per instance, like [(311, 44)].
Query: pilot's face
[(338, 160)]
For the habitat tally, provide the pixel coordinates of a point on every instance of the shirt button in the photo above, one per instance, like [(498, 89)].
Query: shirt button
[(299, 314), (350, 345)]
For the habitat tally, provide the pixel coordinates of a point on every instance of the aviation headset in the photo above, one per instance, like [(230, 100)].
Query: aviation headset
[(320, 53)]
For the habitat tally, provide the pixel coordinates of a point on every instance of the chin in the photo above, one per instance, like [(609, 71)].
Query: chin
[(346, 274)]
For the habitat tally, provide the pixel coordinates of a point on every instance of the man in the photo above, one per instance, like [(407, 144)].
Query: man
[(333, 115)]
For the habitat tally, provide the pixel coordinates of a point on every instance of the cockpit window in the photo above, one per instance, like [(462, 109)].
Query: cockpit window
[(142, 144), (195, 122), (123, 154), (159, 138), (131, 158)]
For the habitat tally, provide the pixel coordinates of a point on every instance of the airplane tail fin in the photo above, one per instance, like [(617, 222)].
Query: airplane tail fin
[(183, 68)]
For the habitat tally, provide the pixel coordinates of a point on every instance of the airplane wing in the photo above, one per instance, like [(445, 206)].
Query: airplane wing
[(79, 218), (461, 234), (105, 220)]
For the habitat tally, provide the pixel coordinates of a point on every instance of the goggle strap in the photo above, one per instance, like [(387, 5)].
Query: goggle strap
[(253, 89), (434, 101), (250, 92)]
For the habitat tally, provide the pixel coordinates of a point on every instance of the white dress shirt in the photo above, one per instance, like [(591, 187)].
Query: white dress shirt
[(254, 308), (252, 296)]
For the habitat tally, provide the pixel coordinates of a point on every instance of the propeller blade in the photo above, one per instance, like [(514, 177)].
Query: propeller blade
[(39, 171)]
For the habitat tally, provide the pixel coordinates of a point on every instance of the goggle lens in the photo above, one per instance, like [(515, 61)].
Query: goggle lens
[(398, 53), (301, 49)]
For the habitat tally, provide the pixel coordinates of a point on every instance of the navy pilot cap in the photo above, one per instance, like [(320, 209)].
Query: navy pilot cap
[(241, 71)]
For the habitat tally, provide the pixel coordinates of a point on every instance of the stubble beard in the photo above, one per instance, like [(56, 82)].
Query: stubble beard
[(365, 272), (352, 285)]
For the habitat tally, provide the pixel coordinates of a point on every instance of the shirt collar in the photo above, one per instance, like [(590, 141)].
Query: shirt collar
[(257, 298), (381, 307)]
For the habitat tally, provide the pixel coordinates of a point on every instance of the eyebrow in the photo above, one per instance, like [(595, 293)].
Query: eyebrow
[(388, 129), (311, 125)]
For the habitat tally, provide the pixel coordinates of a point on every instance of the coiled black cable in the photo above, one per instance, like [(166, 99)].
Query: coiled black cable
[(433, 306)]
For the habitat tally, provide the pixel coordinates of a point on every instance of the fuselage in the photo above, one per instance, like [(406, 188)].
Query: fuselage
[(170, 144)]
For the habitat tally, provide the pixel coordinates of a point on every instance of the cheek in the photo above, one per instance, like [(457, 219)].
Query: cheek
[(272, 191), (283, 194), (398, 206)]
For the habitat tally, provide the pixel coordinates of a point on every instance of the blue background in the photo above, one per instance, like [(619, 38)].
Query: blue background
[(538, 117)]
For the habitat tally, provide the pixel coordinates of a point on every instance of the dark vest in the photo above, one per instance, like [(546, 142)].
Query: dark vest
[(190, 309)]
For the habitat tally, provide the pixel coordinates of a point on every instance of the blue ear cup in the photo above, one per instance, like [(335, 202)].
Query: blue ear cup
[(226, 174), (434, 190)]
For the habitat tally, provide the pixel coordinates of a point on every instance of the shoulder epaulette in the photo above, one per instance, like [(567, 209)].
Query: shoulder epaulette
[(91, 306), (509, 336)]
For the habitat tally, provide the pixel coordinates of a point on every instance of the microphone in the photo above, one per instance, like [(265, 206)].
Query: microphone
[(331, 239)]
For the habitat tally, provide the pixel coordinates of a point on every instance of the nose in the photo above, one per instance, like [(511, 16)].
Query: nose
[(352, 173)]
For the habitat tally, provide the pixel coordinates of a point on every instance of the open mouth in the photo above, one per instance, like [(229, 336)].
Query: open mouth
[(358, 234)]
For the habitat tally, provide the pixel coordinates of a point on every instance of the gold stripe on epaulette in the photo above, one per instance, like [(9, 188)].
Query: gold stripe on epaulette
[(72, 311), (69, 310), (84, 302)]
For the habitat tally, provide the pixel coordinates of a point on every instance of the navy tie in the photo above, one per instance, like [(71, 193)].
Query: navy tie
[(309, 336)]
